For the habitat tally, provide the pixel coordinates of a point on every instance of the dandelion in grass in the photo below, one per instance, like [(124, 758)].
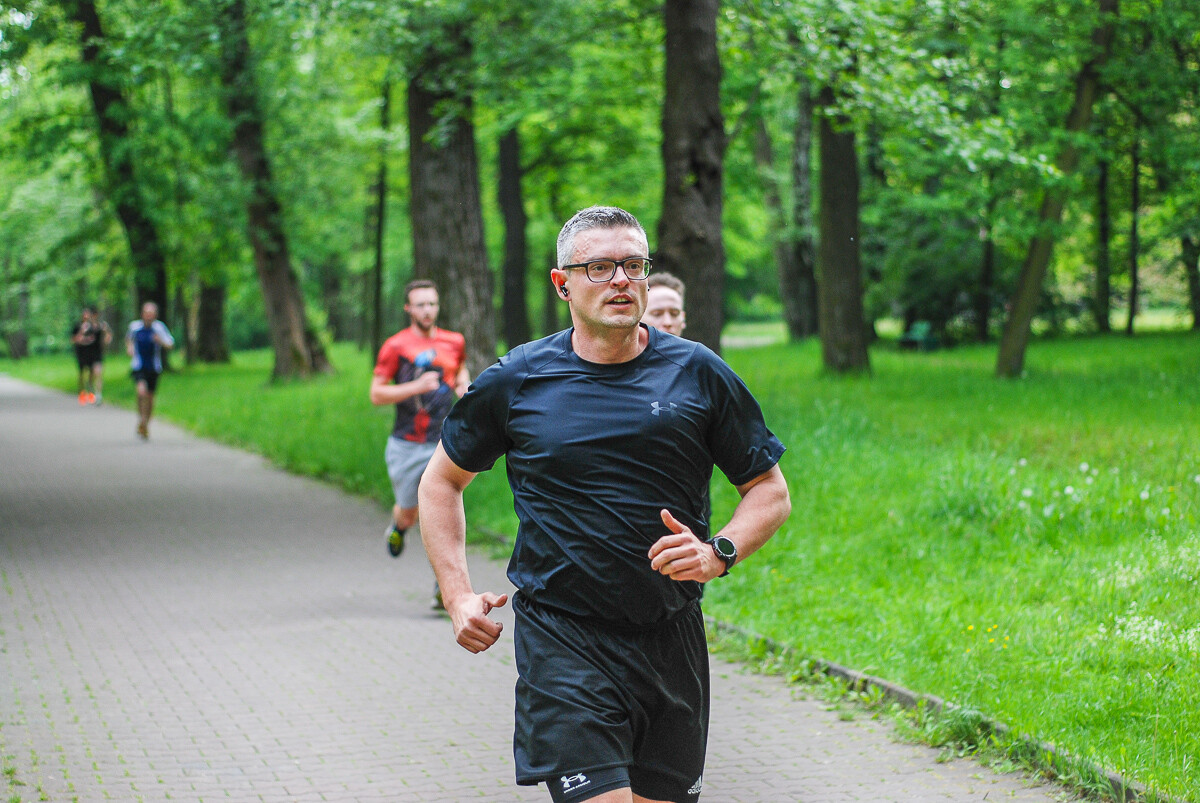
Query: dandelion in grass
[(1083, 468), (1027, 492)]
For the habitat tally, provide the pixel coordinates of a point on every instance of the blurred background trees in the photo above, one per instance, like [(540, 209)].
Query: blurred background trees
[(272, 172)]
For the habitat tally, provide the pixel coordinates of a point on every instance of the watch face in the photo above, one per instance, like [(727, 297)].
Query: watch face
[(725, 549)]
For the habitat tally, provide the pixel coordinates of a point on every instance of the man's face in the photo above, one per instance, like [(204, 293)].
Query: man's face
[(149, 312), (422, 308), (617, 303), (664, 310)]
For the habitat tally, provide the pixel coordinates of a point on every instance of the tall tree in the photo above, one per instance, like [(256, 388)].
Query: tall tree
[(1102, 295), (113, 117), (447, 215), (379, 213), (843, 328), (1011, 359), (298, 350), (690, 240), (1190, 254), (516, 259), (793, 241), (1135, 209), (211, 344)]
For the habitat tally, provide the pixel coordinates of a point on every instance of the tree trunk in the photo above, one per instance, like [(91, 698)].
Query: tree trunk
[(113, 115), (512, 207), (298, 350), (1190, 250), (1135, 204), (14, 308), (839, 287), (187, 335), (1011, 359), (804, 282), (1102, 303), (380, 219), (331, 275), (211, 344), (793, 246), (447, 215), (690, 241), (987, 276)]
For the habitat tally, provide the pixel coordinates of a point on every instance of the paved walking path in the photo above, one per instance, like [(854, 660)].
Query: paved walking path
[(179, 620)]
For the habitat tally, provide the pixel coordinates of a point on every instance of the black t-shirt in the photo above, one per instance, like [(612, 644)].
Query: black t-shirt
[(91, 341), (595, 451)]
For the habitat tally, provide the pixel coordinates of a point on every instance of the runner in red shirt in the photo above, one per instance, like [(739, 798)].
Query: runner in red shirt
[(422, 371)]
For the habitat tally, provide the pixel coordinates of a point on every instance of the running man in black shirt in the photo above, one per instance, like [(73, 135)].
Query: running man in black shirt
[(610, 430)]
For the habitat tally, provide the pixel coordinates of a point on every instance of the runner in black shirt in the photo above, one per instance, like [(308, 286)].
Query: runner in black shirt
[(611, 431)]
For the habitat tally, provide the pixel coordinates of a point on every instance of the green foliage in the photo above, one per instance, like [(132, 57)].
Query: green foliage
[(957, 107)]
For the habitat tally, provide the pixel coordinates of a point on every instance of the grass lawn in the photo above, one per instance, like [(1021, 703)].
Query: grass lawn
[(1028, 548)]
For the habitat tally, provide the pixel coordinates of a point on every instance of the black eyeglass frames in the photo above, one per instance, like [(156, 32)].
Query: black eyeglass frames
[(602, 270)]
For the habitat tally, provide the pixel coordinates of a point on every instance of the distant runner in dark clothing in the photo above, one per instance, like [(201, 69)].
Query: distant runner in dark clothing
[(90, 336), (610, 431)]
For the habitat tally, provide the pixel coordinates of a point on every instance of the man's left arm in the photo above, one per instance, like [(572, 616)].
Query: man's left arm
[(164, 335), (462, 381), (764, 507)]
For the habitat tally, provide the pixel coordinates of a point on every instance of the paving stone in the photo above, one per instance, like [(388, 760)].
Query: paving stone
[(181, 621)]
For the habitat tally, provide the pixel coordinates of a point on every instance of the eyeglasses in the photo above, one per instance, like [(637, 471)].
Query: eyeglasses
[(602, 270)]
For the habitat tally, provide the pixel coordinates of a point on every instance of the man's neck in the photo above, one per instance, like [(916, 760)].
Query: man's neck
[(422, 331), (610, 346)]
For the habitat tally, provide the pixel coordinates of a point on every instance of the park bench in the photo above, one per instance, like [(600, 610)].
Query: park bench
[(920, 336)]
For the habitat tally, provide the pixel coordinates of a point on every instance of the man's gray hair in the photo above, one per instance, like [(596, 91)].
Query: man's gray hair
[(594, 217)]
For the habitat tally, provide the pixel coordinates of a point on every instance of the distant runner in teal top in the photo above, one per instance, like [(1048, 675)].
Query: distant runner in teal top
[(610, 431), (144, 342)]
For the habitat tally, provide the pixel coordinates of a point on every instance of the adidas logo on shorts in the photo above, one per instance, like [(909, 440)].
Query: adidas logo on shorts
[(697, 786)]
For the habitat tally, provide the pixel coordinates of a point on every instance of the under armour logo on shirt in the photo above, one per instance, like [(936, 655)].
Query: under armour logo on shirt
[(657, 408)]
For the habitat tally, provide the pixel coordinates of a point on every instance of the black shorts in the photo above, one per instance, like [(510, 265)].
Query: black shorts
[(87, 357), (147, 375), (592, 698)]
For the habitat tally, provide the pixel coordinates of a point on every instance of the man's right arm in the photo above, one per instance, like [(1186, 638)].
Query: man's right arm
[(383, 392), (444, 532)]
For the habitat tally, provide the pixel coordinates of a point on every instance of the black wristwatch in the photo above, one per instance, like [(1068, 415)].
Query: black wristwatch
[(724, 549)]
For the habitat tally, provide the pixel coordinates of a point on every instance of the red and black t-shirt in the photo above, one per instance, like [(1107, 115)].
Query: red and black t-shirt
[(404, 357)]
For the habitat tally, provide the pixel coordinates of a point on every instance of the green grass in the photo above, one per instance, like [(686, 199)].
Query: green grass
[(1028, 549)]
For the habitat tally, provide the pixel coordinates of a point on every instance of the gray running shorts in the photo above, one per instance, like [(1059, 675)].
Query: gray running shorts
[(406, 463)]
